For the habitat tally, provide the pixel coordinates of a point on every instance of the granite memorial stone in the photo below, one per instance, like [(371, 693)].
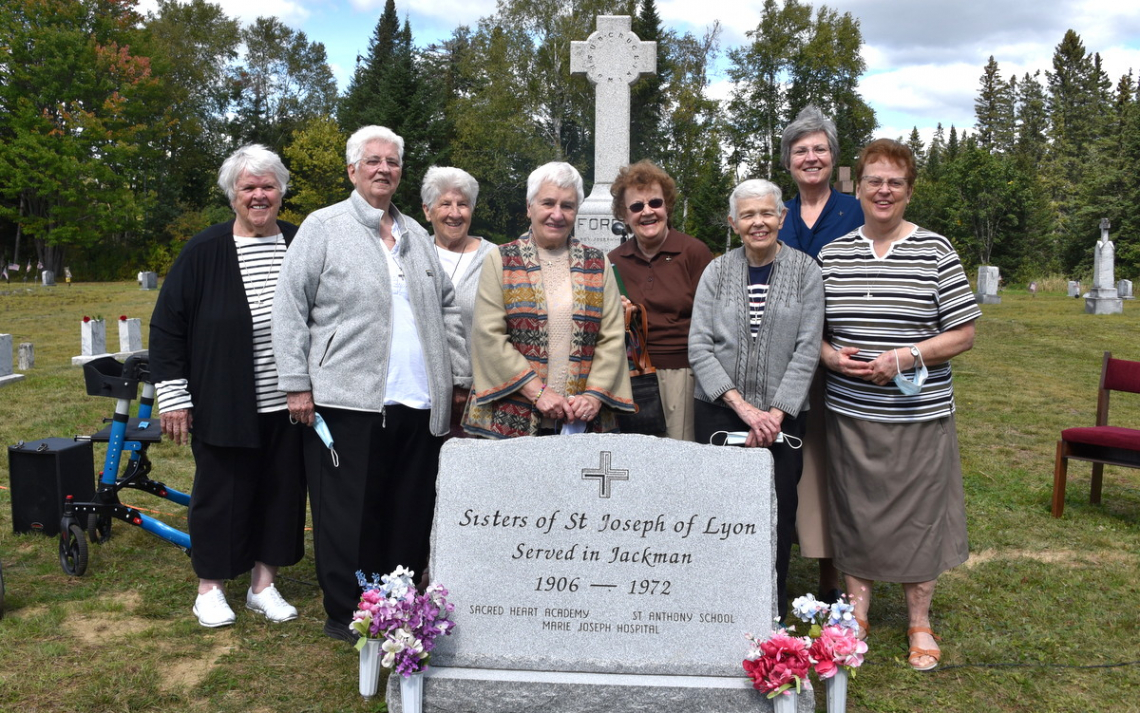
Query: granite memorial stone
[(130, 337), (148, 280), (989, 278), (1074, 288), (93, 341), (1103, 298), (7, 376), (48, 278), (1124, 289), (600, 573), (612, 58), (27, 358)]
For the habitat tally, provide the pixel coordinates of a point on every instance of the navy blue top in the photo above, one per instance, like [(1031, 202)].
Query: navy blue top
[(840, 216)]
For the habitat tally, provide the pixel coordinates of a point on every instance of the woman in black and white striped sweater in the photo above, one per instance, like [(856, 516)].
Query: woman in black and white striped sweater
[(211, 356)]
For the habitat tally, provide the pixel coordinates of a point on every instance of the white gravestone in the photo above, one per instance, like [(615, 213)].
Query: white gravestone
[(988, 279), (27, 359), (600, 573), (93, 341), (1124, 289), (1103, 298), (130, 337), (1074, 288), (148, 280), (613, 58), (48, 278), (6, 374)]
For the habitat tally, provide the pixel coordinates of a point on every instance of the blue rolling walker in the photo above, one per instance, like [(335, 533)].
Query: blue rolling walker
[(82, 521)]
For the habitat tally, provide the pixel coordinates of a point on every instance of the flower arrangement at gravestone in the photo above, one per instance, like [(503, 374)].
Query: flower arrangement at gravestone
[(831, 648), (403, 623)]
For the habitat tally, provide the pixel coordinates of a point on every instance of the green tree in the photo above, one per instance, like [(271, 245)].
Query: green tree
[(648, 101), (317, 172), (284, 81), (367, 88), (80, 115), (994, 110)]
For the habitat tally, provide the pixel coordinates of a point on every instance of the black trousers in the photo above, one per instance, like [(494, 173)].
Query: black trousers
[(248, 504), (787, 465), (374, 511)]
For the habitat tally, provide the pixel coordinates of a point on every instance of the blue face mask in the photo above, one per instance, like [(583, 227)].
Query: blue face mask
[(908, 387), (322, 430)]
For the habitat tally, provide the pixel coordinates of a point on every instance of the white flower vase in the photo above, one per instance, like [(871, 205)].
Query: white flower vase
[(837, 691), (786, 702), (370, 667), (412, 693)]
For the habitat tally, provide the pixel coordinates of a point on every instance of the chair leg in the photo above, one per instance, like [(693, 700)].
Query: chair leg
[(1097, 476), (1060, 475)]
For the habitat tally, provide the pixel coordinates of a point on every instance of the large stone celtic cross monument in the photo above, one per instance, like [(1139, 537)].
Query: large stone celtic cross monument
[(613, 58)]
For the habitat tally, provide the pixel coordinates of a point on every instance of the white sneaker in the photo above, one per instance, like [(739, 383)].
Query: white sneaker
[(213, 610), (271, 604)]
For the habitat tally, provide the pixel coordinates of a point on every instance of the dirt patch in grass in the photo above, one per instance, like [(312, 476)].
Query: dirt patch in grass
[(188, 673), (1061, 557)]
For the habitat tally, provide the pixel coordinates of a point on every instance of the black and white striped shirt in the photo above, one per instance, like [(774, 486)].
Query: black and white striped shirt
[(260, 262), (914, 292)]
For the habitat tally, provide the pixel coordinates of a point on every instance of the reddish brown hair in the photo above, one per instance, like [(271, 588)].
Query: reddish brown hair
[(887, 150), (642, 174)]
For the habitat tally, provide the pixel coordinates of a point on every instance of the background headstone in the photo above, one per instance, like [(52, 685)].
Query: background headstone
[(612, 58), (1124, 289), (27, 359), (6, 374), (1103, 298), (845, 184), (93, 341), (1074, 288), (48, 278), (600, 572), (148, 280), (130, 337), (988, 279)]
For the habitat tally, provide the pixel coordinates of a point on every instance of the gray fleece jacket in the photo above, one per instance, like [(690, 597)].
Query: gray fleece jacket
[(331, 313), (775, 369)]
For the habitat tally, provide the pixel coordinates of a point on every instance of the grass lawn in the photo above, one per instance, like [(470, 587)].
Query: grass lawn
[(1035, 621)]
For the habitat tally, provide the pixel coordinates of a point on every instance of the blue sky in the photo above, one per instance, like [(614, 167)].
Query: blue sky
[(924, 59)]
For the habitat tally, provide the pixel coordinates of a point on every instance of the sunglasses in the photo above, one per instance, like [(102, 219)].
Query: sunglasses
[(639, 206)]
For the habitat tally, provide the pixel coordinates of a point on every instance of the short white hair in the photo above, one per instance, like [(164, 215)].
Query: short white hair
[(441, 179), (354, 151), (256, 160), (755, 188), (558, 173)]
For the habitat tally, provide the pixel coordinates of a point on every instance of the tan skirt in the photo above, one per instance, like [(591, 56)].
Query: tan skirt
[(812, 529), (898, 513)]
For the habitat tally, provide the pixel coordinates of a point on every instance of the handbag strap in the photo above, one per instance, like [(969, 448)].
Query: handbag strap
[(637, 340)]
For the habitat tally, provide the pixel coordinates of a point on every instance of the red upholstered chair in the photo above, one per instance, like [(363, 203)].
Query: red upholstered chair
[(1101, 443)]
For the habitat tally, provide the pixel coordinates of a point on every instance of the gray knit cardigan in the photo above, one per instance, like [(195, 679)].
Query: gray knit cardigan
[(776, 368)]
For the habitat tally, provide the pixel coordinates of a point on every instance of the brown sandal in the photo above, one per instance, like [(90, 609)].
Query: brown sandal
[(915, 652), (864, 628)]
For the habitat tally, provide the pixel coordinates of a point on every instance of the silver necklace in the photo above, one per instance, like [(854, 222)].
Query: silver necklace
[(273, 267)]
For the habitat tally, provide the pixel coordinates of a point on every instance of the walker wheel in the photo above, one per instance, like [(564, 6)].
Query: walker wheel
[(73, 550), (98, 528)]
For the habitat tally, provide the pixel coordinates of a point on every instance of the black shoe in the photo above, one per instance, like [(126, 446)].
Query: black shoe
[(337, 630), (831, 597)]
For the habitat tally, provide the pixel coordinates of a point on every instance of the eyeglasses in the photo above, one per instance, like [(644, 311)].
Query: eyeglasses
[(639, 206), (875, 182)]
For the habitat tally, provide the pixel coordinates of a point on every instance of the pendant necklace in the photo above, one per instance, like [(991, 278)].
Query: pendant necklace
[(274, 266)]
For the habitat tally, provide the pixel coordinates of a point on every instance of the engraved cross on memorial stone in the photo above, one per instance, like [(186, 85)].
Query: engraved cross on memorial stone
[(613, 58), (604, 475)]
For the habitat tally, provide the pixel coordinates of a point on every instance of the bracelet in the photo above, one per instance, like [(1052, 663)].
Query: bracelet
[(541, 391)]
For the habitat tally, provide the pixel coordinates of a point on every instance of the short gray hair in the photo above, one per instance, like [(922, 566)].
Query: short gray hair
[(256, 160), (755, 188), (441, 179), (810, 121), (560, 174), (354, 151)]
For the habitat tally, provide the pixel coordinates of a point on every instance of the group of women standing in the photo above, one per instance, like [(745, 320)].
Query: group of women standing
[(340, 355)]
